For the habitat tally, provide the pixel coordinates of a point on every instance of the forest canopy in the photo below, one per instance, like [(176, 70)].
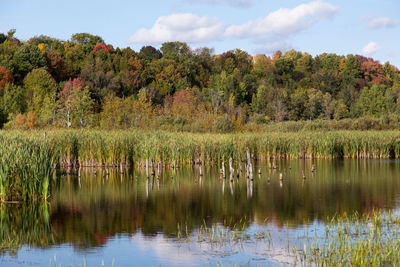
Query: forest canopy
[(85, 83)]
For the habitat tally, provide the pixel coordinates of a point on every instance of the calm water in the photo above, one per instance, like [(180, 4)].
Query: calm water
[(133, 221)]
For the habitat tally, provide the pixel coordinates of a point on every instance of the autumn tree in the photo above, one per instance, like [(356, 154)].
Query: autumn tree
[(134, 76), (74, 104), (5, 77), (56, 66), (372, 70), (262, 65), (186, 104)]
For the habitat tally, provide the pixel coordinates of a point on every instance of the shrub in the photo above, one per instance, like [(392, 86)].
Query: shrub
[(223, 125)]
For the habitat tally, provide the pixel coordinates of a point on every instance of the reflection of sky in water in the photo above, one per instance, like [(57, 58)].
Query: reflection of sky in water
[(141, 250)]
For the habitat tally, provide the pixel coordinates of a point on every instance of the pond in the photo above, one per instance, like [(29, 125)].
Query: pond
[(113, 218)]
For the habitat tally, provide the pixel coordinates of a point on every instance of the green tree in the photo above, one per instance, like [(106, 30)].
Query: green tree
[(350, 67), (175, 50), (149, 53), (3, 37), (99, 75), (41, 90), (26, 58), (14, 100), (298, 101), (340, 110), (86, 40), (314, 106), (169, 76), (372, 101), (260, 100), (330, 62)]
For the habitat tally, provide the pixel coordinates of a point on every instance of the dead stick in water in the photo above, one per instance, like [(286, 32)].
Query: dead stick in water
[(158, 169), (147, 168), (231, 169), (152, 167), (223, 169)]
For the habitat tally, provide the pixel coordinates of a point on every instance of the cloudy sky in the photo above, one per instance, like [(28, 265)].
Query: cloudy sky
[(367, 27)]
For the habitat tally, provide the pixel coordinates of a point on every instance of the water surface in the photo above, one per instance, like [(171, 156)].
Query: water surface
[(101, 217)]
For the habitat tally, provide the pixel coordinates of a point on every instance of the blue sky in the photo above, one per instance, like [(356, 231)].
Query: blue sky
[(366, 27)]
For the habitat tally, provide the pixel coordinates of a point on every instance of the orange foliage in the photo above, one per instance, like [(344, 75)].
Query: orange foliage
[(134, 71), (103, 47), (372, 70), (262, 63), (184, 104), (277, 55), (5, 77), (19, 121), (31, 120)]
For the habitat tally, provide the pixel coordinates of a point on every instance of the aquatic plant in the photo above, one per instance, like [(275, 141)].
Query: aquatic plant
[(26, 168), (73, 148)]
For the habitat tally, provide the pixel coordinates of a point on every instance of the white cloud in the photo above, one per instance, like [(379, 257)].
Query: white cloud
[(277, 25), (284, 21), (371, 48), (382, 23), (235, 3), (185, 27)]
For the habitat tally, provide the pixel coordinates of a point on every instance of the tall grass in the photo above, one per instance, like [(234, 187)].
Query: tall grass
[(72, 148), (26, 168), (368, 240)]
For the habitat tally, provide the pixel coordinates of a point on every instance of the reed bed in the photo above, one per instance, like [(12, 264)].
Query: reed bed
[(367, 240), (26, 168), (75, 148), (28, 159)]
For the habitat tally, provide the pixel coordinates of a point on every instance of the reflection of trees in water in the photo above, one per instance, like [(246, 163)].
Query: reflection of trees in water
[(24, 224), (88, 214)]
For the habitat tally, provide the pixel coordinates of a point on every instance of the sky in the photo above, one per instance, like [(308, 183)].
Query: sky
[(365, 27)]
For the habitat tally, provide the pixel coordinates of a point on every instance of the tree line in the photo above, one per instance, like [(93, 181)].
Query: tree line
[(83, 82)]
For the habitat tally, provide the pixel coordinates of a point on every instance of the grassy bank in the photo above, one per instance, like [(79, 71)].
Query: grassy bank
[(72, 148)]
